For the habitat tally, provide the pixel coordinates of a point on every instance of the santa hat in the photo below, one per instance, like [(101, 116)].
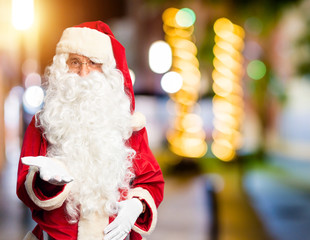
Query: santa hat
[(96, 41)]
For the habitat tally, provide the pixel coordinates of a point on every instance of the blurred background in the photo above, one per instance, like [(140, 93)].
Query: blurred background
[(225, 87)]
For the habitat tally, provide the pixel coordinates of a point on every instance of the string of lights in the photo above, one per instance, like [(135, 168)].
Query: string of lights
[(228, 100), (186, 136)]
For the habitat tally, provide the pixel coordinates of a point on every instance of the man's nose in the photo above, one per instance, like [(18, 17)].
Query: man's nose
[(84, 70)]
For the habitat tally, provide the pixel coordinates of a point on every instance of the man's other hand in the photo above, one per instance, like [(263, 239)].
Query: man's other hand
[(128, 212)]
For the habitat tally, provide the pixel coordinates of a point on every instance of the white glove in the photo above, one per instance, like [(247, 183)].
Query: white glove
[(51, 170), (128, 212)]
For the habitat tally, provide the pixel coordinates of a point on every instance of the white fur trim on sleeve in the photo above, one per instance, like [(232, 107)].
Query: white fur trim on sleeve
[(138, 121), (143, 194), (49, 204)]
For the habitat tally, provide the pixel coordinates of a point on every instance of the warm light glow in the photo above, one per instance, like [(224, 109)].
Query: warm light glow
[(222, 69), (225, 83), (223, 26), (230, 38), (187, 145), (229, 61), (192, 123), (238, 31), (184, 44), (186, 96), (185, 17), (22, 14), (190, 78), (227, 76), (160, 57), (169, 17), (225, 123), (186, 136), (223, 150), (183, 65), (171, 82), (184, 55)]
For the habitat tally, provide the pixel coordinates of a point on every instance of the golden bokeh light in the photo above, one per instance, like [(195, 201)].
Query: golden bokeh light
[(168, 17), (223, 150), (223, 25), (228, 100), (186, 136)]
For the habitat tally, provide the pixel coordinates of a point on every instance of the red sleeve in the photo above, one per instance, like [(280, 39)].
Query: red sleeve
[(34, 145), (148, 177)]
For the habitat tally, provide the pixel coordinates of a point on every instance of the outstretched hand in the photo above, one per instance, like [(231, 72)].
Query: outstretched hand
[(128, 212), (51, 170)]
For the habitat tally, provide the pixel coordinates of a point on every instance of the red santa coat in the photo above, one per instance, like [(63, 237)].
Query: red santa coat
[(47, 201)]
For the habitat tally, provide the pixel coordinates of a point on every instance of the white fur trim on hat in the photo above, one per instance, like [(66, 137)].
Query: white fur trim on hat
[(138, 121), (87, 42), (48, 204)]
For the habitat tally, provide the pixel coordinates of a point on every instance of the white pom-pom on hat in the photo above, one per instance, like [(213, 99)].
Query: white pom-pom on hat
[(138, 121)]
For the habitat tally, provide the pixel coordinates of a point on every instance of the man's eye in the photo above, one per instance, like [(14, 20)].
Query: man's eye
[(74, 62), (92, 63)]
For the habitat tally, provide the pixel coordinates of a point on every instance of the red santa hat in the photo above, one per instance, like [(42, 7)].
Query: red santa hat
[(96, 41)]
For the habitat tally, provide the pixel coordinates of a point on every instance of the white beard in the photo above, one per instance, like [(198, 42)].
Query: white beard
[(86, 122)]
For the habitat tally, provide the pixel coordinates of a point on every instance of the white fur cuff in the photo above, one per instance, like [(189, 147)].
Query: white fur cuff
[(49, 204), (138, 121), (143, 194)]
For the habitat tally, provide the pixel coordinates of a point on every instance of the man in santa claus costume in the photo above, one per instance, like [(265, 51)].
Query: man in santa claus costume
[(86, 170)]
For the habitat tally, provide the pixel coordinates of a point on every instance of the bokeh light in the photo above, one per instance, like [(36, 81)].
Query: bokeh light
[(227, 102), (223, 26), (171, 82), (168, 17), (33, 99), (160, 57), (256, 69), (223, 150), (22, 14), (185, 17), (186, 135)]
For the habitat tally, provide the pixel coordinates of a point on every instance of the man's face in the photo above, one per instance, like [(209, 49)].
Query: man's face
[(82, 65)]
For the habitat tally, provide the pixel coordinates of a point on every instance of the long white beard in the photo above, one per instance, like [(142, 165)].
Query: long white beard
[(86, 122)]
